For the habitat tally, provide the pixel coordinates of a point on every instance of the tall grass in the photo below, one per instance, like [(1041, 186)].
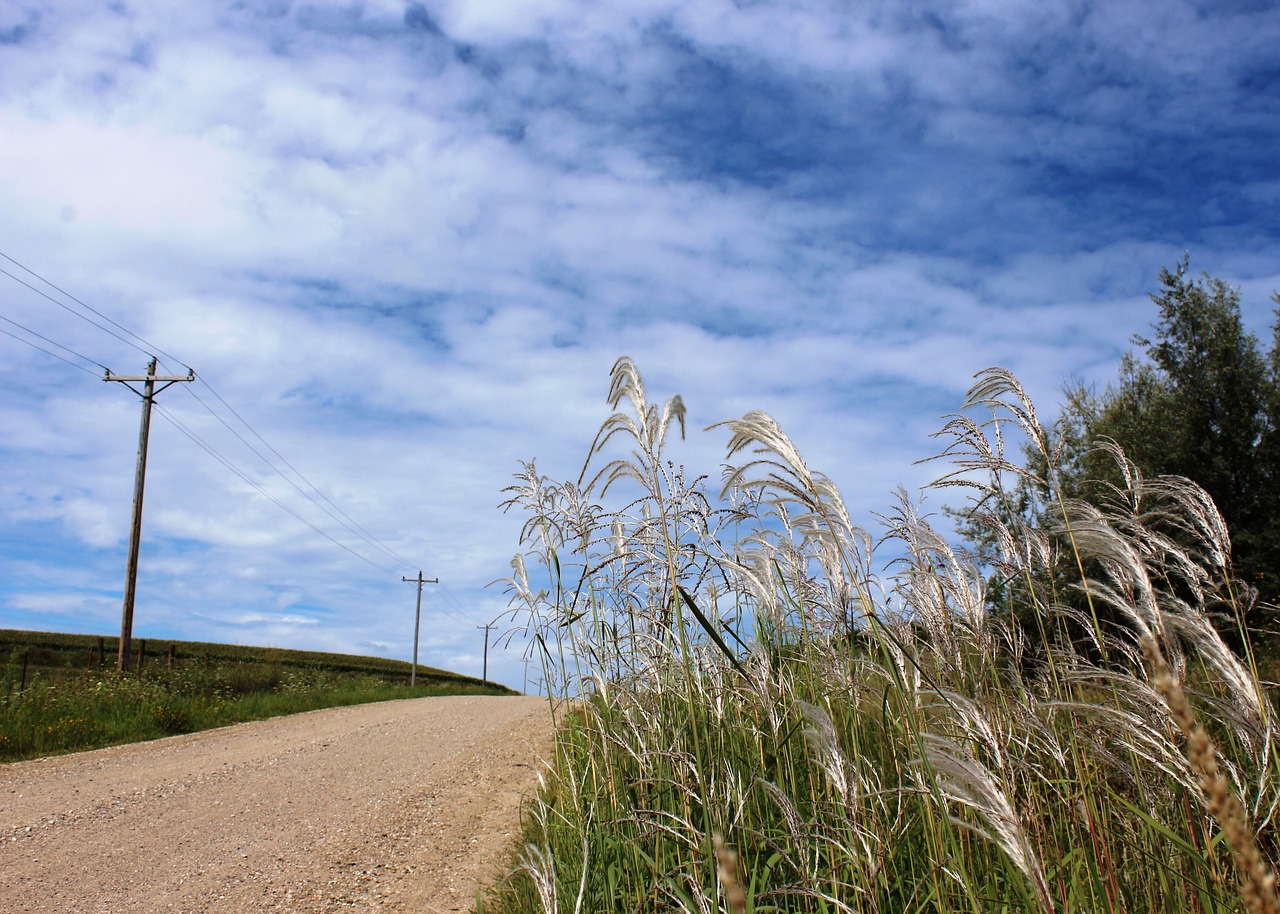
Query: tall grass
[(765, 720)]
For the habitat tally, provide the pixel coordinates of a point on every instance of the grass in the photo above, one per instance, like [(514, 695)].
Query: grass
[(768, 720), (54, 699)]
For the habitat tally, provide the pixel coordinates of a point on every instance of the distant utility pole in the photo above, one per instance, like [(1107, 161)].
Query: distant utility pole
[(148, 394), (484, 677), (417, 620)]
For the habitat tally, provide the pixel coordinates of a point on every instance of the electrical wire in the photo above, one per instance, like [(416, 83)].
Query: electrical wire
[(71, 310), (151, 348), (434, 603), (448, 594), (188, 432), (449, 606), (41, 336), (213, 452), (442, 610), (344, 520), (349, 524)]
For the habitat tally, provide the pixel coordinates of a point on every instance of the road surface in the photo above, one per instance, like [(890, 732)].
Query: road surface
[(404, 806)]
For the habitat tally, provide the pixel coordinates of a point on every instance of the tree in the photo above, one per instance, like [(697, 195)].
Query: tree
[(1199, 399)]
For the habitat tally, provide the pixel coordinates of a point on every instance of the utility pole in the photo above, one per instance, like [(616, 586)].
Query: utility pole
[(148, 394), (484, 677), (417, 620)]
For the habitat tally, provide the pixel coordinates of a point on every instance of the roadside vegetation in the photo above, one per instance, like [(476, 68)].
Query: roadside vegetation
[(773, 709), (55, 697)]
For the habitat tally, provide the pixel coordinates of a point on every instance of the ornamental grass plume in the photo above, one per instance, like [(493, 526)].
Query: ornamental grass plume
[(1257, 880), (963, 732), (961, 778)]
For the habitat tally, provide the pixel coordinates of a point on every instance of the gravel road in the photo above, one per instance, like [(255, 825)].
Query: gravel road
[(404, 806)]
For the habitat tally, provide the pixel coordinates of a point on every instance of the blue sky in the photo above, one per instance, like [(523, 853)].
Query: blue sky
[(406, 242)]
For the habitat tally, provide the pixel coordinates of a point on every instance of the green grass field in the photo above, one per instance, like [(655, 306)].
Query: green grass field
[(55, 695)]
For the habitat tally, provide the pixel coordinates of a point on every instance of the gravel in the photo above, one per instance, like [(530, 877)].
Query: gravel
[(404, 806)]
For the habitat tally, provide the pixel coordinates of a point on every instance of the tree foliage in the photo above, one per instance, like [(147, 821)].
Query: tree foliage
[(1199, 399)]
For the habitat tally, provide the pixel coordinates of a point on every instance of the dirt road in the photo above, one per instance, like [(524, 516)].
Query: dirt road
[(402, 806)]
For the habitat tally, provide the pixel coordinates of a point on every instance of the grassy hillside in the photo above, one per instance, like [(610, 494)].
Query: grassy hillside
[(59, 694), (56, 654)]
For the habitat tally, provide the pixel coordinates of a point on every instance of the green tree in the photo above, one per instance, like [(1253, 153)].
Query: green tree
[(1198, 399)]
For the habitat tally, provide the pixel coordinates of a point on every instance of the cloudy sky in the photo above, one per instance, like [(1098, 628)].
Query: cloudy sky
[(402, 245)]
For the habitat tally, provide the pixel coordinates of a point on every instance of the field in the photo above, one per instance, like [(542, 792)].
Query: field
[(56, 696)]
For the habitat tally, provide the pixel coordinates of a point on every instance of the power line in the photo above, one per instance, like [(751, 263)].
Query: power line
[(462, 613), (213, 452), (151, 347), (444, 610), (341, 517), (246, 478), (208, 448), (345, 520), (52, 342), (71, 310), (46, 351), (275, 469), (447, 604)]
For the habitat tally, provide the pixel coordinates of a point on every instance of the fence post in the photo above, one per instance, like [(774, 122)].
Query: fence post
[(142, 652), (168, 664), (102, 649), (26, 654)]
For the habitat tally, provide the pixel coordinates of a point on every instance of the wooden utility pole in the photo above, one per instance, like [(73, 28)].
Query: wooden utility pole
[(484, 677), (148, 394), (417, 621)]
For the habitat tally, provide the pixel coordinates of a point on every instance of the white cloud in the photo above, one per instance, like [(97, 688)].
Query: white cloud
[(409, 259), (251, 618), (63, 604)]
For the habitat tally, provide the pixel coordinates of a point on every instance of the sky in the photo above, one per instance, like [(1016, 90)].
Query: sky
[(402, 244)]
